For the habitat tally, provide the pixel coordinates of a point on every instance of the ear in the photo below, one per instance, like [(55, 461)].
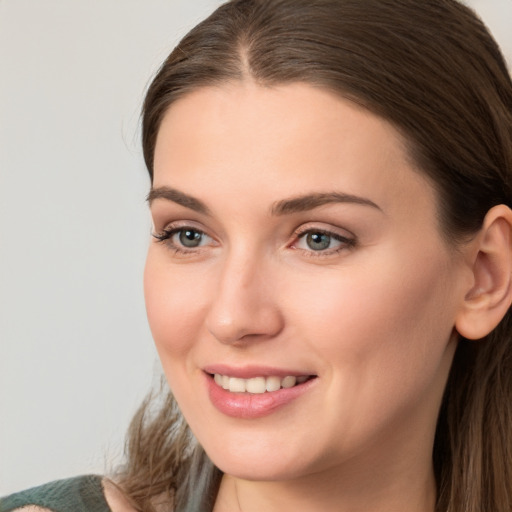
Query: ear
[(490, 296)]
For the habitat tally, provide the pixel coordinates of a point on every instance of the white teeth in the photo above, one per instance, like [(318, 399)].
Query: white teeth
[(236, 385), (289, 382), (257, 385), (273, 383)]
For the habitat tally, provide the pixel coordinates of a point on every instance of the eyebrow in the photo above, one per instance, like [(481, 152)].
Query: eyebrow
[(311, 201), (171, 194), (283, 207)]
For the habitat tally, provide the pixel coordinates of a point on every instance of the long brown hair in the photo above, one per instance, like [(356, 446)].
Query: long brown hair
[(430, 68)]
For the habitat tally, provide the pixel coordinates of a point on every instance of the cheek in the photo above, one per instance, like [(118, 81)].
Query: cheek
[(381, 338), (389, 318), (174, 303)]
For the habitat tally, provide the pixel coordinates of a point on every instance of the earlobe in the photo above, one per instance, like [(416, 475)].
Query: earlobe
[(490, 297)]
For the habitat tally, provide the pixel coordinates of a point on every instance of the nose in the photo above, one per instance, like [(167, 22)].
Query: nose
[(244, 307)]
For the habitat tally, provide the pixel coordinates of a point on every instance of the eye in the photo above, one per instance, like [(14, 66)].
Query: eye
[(183, 238), (322, 242)]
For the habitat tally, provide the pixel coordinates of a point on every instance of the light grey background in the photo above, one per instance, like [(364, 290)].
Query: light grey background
[(76, 355)]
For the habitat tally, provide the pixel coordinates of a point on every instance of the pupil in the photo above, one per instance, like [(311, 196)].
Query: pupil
[(318, 241), (190, 238)]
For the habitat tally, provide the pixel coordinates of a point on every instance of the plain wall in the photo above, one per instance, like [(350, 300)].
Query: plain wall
[(76, 356)]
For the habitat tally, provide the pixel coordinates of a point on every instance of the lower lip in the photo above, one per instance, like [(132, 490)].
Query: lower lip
[(249, 405)]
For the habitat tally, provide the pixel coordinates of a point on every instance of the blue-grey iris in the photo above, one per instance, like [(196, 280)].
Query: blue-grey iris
[(190, 238), (318, 241)]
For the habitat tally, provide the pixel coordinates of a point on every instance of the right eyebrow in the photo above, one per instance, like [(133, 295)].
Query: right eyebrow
[(171, 194)]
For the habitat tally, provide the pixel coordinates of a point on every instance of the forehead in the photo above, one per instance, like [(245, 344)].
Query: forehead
[(281, 140)]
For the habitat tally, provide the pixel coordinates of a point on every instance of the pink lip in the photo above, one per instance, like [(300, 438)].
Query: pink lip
[(249, 372), (252, 406)]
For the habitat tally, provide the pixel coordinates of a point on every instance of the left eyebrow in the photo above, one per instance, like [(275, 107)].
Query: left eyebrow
[(311, 201)]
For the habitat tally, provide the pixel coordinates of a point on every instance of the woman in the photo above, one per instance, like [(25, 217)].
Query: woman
[(329, 280)]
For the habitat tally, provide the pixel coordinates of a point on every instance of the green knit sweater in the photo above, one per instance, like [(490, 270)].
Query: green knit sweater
[(80, 494)]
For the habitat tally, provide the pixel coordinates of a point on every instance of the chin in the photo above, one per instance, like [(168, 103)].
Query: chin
[(258, 463), (260, 471)]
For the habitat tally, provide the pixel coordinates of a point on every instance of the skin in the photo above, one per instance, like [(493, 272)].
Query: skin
[(372, 318)]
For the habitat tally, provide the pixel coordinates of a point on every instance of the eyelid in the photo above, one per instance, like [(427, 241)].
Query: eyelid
[(172, 224), (178, 225), (323, 228)]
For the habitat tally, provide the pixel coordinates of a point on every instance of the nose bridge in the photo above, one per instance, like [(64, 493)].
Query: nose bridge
[(243, 304)]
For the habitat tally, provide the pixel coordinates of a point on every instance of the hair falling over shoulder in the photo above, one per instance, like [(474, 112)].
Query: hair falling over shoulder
[(431, 69), (164, 462)]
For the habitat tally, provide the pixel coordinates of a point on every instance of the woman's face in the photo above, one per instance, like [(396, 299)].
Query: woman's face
[(298, 244)]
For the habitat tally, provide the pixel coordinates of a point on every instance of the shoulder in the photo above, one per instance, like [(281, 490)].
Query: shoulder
[(32, 508), (89, 493)]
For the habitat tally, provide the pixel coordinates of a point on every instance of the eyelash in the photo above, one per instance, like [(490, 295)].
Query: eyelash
[(166, 235)]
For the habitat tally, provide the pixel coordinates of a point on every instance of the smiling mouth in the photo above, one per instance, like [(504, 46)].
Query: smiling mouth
[(259, 385)]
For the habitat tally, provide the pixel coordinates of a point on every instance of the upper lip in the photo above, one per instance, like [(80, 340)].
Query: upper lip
[(249, 372)]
